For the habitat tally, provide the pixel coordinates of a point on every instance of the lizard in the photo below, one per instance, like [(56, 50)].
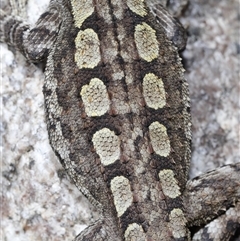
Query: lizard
[(142, 102)]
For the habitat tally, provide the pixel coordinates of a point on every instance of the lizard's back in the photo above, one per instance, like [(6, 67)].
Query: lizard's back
[(118, 117)]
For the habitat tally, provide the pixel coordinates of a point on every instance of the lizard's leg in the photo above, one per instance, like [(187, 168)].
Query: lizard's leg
[(99, 231), (34, 43), (226, 226), (18, 8), (172, 27), (208, 196)]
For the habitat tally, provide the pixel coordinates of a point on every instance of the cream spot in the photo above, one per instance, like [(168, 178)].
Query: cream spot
[(153, 91), (137, 6), (82, 9), (122, 194), (134, 232), (87, 49), (95, 98), (159, 139), (169, 183), (146, 42), (107, 146), (177, 223)]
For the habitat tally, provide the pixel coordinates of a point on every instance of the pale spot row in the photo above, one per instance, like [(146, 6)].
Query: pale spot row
[(107, 146), (96, 100), (122, 194)]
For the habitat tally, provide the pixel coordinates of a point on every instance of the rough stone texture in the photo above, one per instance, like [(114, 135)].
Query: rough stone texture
[(212, 64), (38, 201)]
